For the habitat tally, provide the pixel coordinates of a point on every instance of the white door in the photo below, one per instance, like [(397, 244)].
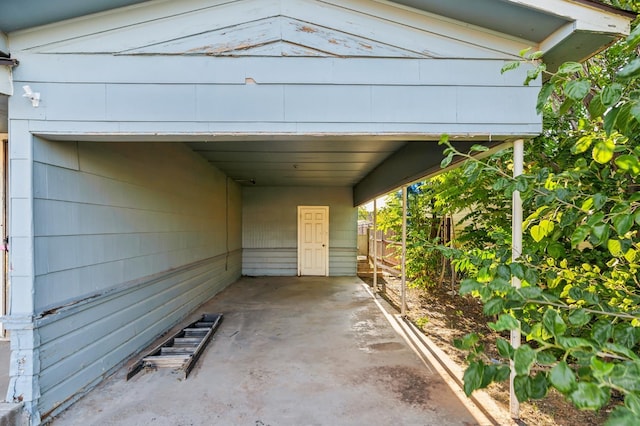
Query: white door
[(313, 240)]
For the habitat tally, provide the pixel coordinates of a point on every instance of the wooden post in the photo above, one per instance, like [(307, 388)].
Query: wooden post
[(516, 252)]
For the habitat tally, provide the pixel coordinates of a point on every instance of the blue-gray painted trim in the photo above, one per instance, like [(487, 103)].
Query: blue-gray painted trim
[(412, 162)]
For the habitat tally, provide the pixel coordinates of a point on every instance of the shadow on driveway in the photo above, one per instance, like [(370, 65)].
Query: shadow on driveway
[(290, 351)]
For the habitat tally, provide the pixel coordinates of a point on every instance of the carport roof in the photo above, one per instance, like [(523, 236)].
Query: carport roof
[(562, 29)]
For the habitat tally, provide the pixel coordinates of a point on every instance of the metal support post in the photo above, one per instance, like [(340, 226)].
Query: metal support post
[(516, 252)]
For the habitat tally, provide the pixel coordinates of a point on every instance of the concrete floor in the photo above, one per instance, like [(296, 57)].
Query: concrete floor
[(290, 351)]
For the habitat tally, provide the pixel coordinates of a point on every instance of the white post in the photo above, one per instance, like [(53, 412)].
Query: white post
[(403, 309), (375, 245), (516, 252)]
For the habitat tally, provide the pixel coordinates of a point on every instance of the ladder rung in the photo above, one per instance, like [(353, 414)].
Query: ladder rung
[(190, 341), (184, 350)]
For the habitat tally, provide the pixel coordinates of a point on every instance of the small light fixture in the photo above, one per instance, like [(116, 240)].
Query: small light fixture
[(31, 95)]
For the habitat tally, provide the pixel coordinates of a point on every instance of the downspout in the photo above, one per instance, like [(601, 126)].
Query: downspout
[(516, 252)]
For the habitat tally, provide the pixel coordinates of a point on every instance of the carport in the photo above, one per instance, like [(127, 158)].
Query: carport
[(165, 149)]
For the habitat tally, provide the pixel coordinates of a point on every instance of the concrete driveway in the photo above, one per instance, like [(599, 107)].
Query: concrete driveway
[(290, 351)]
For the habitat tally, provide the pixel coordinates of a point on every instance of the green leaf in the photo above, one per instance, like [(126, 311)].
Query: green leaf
[(538, 386), (570, 68), (633, 39), (596, 107), (509, 66), (579, 235), (600, 369), (544, 228), (562, 377), (504, 348), (631, 70), (622, 223), (523, 359), (469, 285), (625, 335), (595, 219), (493, 306), (588, 396), (632, 402), (610, 120), (531, 276), (579, 317), (582, 145), (479, 148), (625, 376), (622, 416), (628, 163), (635, 110), (556, 250), (521, 387), (600, 233), (504, 272), (577, 89), (574, 342), (446, 160), (543, 96), (473, 377), (517, 270), (601, 331), (546, 358), (505, 322), (615, 247), (611, 94), (599, 201), (631, 255), (467, 342), (502, 373), (554, 323), (603, 151)]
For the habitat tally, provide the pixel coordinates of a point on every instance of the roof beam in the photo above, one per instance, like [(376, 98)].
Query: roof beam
[(588, 16)]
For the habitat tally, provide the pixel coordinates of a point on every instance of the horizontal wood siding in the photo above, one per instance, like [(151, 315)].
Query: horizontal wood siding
[(363, 107), (270, 261), (129, 239), (270, 226)]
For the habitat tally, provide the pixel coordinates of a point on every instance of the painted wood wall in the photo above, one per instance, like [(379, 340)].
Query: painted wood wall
[(128, 239), (270, 233)]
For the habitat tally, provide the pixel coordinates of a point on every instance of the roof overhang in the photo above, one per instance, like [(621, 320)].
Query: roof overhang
[(562, 29)]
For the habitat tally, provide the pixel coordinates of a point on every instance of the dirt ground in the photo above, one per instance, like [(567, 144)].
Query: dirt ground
[(444, 315)]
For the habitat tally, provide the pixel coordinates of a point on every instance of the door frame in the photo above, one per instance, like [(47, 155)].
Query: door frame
[(326, 236)]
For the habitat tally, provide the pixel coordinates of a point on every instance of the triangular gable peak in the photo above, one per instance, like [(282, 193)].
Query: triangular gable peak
[(352, 28)]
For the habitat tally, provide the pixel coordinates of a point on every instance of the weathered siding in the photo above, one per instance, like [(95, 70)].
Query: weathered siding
[(270, 229), (375, 96), (129, 238)]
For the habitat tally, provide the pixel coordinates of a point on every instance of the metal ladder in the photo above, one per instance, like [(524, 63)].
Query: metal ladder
[(181, 350)]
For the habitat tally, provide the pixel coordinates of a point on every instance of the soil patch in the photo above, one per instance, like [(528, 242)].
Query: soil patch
[(443, 315)]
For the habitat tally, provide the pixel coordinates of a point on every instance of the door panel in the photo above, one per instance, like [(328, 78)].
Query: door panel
[(313, 240)]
